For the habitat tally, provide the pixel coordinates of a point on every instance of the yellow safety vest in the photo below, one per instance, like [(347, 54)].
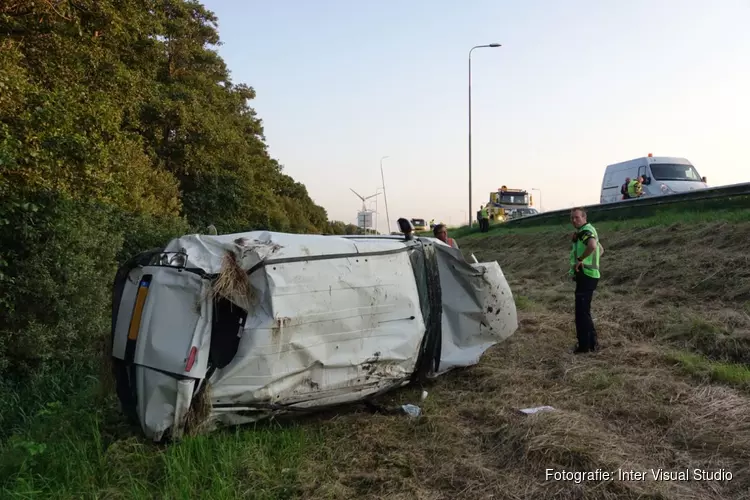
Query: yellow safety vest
[(634, 188), (590, 263)]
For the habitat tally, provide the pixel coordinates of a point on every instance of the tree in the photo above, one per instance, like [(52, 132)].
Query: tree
[(119, 129)]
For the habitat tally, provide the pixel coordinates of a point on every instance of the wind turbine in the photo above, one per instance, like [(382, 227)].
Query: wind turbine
[(364, 205), (364, 198)]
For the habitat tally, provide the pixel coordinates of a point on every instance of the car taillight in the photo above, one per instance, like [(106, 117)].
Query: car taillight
[(191, 358)]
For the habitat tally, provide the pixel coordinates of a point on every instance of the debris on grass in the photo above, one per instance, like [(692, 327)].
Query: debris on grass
[(537, 409), (411, 410)]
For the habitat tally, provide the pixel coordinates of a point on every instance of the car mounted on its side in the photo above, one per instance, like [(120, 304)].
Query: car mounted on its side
[(228, 329)]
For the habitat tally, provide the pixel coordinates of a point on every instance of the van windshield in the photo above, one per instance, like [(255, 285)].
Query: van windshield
[(418, 222), (674, 172)]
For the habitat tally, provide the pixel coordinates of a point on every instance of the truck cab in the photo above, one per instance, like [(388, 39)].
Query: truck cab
[(420, 224), (664, 175), (506, 203)]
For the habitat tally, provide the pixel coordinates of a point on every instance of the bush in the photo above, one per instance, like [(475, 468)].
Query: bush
[(57, 263), (58, 256), (141, 232)]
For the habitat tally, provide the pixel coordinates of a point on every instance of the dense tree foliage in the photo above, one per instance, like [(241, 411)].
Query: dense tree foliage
[(119, 128)]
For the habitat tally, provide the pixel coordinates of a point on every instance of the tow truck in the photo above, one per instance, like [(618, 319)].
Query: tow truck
[(508, 203)]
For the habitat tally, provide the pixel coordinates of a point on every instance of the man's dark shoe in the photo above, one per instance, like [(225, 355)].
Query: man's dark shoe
[(580, 350)]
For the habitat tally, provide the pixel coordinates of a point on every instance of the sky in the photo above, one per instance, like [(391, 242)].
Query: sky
[(576, 85)]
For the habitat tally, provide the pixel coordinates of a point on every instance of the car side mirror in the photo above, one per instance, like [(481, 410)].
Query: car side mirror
[(406, 227), (704, 179)]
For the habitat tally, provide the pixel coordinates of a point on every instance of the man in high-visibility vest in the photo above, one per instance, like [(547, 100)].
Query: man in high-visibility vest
[(484, 221), (635, 188), (584, 269)]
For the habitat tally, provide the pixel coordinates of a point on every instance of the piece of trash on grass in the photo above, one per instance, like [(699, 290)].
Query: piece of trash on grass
[(424, 395), (531, 411), (411, 410)]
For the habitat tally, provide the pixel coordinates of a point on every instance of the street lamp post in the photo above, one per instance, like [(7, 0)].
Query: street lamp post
[(541, 207), (491, 45), (377, 192), (385, 198)]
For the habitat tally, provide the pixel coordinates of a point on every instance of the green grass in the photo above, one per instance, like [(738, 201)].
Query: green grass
[(61, 439), (704, 368), (666, 217), (523, 303), (604, 379)]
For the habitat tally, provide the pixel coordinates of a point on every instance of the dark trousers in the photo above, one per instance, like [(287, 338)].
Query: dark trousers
[(585, 330), (484, 225)]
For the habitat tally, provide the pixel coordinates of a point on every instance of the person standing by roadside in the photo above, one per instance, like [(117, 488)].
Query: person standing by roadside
[(441, 233), (624, 189), (585, 254), (484, 221)]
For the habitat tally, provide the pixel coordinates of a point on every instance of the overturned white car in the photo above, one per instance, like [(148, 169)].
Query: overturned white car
[(250, 325)]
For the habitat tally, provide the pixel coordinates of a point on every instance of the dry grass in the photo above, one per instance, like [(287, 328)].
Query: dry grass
[(668, 294), (233, 283), (197, 420)]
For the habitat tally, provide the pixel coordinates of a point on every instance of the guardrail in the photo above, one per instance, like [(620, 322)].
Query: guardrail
[(624, 207)]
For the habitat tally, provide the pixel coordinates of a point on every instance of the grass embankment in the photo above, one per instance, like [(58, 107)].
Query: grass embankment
[(732, 207), (669, 390)]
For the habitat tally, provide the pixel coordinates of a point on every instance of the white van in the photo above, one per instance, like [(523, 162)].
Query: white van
[(663, 174), (238, 327)]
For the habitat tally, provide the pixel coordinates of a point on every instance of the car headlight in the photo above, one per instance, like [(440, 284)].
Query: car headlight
[(179, 260), (666, 189), (174, 259)]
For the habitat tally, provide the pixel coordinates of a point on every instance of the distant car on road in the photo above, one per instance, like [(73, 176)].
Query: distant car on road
[(517, 213)]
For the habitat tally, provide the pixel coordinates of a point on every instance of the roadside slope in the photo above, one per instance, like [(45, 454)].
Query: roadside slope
[(668, 390), (673, 304)]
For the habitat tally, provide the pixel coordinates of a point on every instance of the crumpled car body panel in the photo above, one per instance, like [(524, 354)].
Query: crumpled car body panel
[(263, 323)]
